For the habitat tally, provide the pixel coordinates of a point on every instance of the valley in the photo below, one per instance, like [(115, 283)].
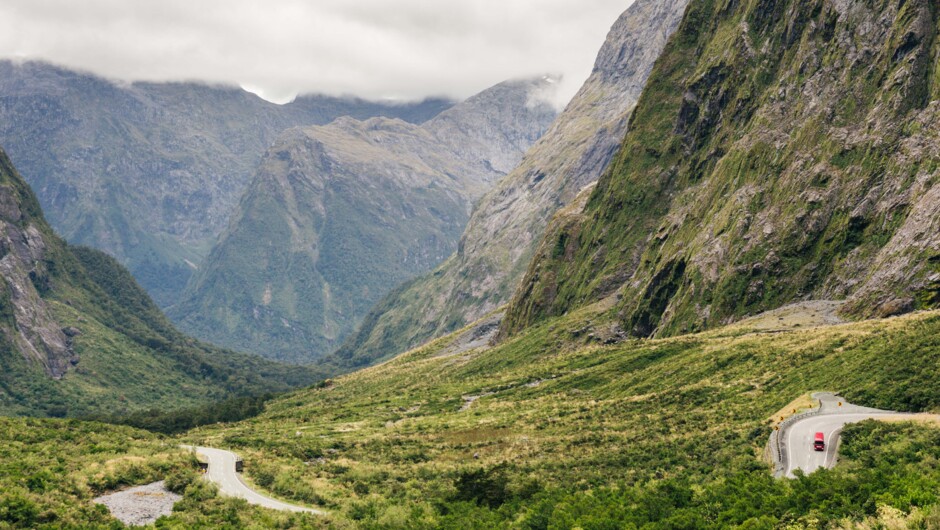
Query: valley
[(706, 295), (504, 229), (78, 335), (338, 215), (570, 430)]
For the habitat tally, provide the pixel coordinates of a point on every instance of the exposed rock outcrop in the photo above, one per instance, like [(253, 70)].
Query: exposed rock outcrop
[(24, 273)]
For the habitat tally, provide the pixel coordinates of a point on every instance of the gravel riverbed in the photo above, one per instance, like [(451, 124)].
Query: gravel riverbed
[(141, 505)]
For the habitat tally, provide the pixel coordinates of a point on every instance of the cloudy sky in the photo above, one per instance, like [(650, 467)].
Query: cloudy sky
[(402, 49)]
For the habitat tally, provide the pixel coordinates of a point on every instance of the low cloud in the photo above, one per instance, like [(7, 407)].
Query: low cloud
[(377, 49)]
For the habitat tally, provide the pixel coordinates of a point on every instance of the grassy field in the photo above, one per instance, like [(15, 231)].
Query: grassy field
[(510, 436), (552, 429)]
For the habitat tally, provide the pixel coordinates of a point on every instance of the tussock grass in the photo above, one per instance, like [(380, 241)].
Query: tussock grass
[(561, 415)]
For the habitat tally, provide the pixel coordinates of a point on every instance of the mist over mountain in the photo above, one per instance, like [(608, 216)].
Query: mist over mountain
[(150, 172), (506, 226)]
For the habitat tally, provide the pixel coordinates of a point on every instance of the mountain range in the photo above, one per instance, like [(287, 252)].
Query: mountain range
[(79, 336), (505, 228), (765, 225), (339, 214), (151, 172)]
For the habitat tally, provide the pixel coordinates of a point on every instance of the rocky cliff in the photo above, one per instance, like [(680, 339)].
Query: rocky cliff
[(28, 324), (150, 172), (505, 228), (781, 151), (339, 214), (79, 336)]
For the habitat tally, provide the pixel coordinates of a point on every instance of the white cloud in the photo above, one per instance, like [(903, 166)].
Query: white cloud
[(406, 49)]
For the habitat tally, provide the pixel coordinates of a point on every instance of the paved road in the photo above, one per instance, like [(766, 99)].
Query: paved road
[(798, 437), (222, 472)]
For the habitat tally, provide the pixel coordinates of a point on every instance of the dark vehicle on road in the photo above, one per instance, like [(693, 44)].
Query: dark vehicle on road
[(819, 443)]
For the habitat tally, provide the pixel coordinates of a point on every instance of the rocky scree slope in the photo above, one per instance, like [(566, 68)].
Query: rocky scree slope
[(150, 172), (506, 226), (781, 151), (339, 214), (78, 335)]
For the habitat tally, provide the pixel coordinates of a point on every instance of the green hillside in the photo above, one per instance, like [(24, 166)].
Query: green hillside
[(553, 428), (564, 432), (79, 336), (781, 151)]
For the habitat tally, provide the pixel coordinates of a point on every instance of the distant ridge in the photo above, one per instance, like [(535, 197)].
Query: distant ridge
[(78, 335), (151, 172)]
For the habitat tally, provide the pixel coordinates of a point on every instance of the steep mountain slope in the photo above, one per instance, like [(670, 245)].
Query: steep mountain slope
[(150, 172), (505, 228), (781, 151), (339, 214), (78, 335)]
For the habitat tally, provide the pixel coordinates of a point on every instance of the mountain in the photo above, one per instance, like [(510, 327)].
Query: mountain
[(506, 226), (79, 336), (150, 172), (781, 152), (339, 214), (571, 422)]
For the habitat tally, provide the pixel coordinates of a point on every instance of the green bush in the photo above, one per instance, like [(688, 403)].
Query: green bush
[(18, 510), (486, 487), (179, 480)]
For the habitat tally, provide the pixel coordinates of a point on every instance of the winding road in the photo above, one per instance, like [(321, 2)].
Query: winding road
[(222, 472), (833, 414)]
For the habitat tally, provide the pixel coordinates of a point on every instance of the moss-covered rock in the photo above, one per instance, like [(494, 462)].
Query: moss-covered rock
[(781, 151)]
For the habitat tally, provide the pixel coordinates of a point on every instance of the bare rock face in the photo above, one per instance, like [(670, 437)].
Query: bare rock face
[(340, 214), (506, 225)]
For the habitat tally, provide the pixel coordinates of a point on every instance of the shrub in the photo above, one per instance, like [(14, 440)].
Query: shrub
[(19, 511), (487, 487), (179, 480)]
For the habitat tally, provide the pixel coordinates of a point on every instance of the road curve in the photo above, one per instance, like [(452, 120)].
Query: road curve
[(834, 413), (222, 472)]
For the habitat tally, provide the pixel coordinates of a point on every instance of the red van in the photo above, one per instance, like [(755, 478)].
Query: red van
[(819, 443)]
